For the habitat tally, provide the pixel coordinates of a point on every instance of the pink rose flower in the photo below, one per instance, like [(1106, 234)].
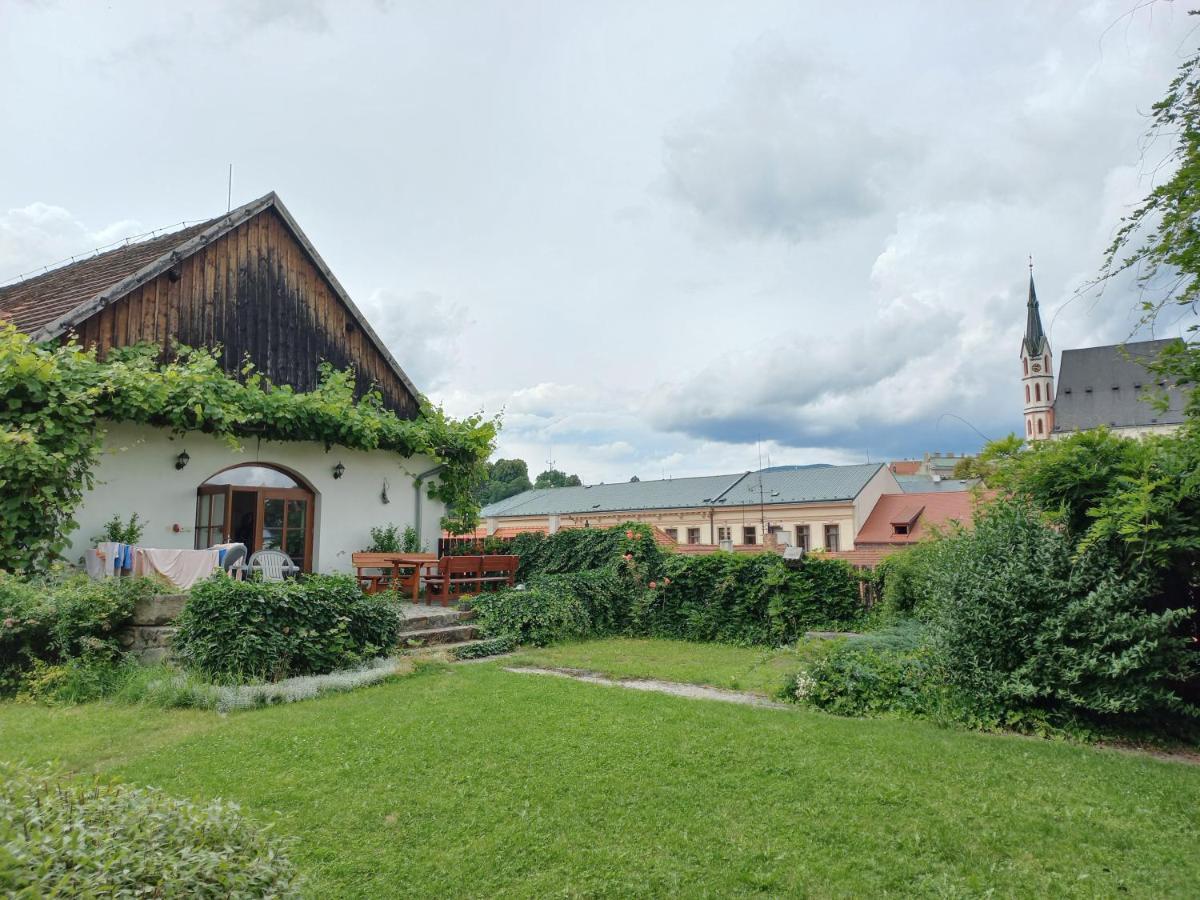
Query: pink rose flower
[(653, 585), (629, 534)]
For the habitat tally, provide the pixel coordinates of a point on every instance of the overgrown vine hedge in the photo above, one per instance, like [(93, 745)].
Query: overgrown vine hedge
[(57, 397), (594, 582)]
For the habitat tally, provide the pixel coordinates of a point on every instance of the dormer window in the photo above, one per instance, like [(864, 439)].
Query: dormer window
[(899, 529)]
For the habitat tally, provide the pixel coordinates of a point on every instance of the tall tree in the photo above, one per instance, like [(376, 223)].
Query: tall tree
[(506, 478), (554, 478), (1160, 240)]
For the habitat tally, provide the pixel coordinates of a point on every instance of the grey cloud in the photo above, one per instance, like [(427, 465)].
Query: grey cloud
[(785, 154), (421, 329)]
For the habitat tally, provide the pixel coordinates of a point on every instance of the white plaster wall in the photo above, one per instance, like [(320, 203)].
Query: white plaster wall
[(882, 482), (136, 473)]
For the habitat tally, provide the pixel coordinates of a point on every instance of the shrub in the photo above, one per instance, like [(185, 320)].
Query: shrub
[(261, 630), (121, 532), (854, 679), (52, 620), (1017, 625), (385, 539), (78, 680), (760, 599), (411, 542), (89, 839), (485, 648), (541, 613)]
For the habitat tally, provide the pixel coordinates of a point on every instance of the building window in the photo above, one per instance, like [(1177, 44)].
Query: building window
[(831, 537), (802, 537), (1026, 393), (693, 535), (1037, 392), (749, 534), (1039, 426), (897, 528), (1029, 426), (673, 534), (723, 533), (1025, 365), (1046, 363)]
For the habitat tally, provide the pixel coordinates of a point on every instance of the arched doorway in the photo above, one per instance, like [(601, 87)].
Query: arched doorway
[(262, 506)]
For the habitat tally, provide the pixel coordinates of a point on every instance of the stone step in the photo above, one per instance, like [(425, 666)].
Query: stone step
[(437, 619), (452, 634), (433, 620)]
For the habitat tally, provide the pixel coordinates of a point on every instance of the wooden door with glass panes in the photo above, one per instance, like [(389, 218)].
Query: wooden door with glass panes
[(285, 517), (212, 515)]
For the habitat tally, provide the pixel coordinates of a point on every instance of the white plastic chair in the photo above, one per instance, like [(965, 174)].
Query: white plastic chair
[(274, 565)]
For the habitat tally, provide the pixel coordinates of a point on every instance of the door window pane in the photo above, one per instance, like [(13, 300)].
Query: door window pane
[(273, 513), (297, 513), (294, 545), (218, 510)]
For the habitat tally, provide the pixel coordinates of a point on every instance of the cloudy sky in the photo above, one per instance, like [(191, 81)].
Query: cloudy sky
[(654, 236)]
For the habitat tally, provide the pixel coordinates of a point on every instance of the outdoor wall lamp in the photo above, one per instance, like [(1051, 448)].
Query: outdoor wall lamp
[(181, 460), (338, 471)]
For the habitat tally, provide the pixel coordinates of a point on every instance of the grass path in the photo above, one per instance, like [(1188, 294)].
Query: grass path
[(757, 670), (472, 781)]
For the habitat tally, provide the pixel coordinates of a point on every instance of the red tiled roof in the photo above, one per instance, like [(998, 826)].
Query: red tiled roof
[(867, 558), (43, 299), (905, 467), (921, 512)]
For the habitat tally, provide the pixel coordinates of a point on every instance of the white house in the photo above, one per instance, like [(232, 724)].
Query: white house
[(251, 283)]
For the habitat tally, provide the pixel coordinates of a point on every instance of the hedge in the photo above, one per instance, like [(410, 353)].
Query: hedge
[(626, 584), (261, 630)]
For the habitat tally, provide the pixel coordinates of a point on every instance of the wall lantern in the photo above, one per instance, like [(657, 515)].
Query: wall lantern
[(338, 471), (181, 460)]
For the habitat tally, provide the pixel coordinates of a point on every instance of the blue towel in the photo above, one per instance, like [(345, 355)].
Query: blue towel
[(124, 558), (221, 556)]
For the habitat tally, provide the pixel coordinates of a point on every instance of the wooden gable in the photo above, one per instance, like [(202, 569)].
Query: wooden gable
[(249, 282)]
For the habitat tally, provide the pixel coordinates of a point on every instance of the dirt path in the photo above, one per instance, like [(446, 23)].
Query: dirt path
[(693, 691)]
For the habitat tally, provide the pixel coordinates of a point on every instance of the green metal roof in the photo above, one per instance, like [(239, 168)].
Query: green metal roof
[(780, 485)]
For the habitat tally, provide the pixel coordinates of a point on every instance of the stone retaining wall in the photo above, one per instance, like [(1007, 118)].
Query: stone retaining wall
[(149, 635)]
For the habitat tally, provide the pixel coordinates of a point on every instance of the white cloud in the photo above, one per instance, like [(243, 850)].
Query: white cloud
[(40, 234)]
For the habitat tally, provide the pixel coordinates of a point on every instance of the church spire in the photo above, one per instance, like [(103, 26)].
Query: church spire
[(1035, 337)]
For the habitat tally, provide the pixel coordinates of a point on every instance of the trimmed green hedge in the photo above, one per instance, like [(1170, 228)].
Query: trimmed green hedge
[(260, 630), (62, 838)]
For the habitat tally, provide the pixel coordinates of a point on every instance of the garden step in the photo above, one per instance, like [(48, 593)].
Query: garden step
[(432, 620), (453, 634)]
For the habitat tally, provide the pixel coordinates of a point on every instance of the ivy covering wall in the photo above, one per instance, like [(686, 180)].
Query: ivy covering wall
[(55, 399)]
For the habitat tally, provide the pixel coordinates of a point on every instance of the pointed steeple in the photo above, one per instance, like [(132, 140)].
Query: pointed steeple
[(1035, 337)]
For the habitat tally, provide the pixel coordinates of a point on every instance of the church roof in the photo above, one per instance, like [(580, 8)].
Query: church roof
[(1035, 343), (1111, 386)]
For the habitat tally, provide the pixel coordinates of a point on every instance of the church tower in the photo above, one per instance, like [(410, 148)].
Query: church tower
[(1036, 372)]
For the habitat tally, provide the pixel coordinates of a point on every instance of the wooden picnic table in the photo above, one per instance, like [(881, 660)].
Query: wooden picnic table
[(414, 561)]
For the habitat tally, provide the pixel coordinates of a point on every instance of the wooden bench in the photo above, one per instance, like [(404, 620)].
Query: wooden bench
[(469, 574), (373, 583)]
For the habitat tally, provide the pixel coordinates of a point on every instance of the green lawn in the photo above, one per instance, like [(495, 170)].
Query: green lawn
[(474, 781), (755, 669)]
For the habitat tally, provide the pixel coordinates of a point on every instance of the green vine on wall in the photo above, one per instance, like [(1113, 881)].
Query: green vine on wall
[(54, 400)]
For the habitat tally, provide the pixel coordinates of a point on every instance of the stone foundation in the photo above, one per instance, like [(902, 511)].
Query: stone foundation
[(149, 635)]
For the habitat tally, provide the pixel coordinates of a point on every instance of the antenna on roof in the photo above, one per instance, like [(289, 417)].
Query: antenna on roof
[(229, 191)]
